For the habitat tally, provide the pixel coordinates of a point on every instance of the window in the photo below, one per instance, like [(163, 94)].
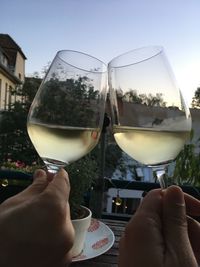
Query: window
[(5, 98), (3, 60), (9, 96)]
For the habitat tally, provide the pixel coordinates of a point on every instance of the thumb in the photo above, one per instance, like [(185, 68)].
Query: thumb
[(178, 246), (174, 210), (143, 235), (59, 187)]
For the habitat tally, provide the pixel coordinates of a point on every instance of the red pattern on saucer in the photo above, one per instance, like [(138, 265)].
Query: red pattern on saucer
[(99, 239), (94, 225), (100, 243)]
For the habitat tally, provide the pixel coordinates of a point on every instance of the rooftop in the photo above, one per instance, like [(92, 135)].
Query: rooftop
[(10, 46)]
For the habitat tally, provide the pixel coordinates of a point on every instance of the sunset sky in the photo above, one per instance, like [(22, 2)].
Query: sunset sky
[(105, 29)]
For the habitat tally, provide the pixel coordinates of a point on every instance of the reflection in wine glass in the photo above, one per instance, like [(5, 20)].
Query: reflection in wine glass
[(150, 119), (66, 116)]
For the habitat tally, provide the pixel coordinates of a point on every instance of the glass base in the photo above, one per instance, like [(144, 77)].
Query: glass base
[(53, 166)]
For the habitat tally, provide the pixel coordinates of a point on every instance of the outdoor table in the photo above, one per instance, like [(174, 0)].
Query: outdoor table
[(109, 258)]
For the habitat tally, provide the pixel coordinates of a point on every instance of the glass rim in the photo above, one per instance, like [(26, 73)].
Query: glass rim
[(159, 49), (82, 53)]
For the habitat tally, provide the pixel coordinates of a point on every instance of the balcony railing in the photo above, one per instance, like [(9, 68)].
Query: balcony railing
[(13, 182), (139, 189)]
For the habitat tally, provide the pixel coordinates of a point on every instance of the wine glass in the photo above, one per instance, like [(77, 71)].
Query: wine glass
[(66, 116), (151, 121)]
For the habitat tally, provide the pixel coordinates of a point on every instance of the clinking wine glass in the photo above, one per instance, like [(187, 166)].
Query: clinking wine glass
[(151, 121), (66, 116)]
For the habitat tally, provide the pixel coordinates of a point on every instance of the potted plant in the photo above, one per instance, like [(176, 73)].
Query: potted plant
[(81, 174)]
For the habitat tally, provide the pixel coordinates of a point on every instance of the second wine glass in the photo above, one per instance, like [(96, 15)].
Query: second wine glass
[(66, 116), (151, 121)]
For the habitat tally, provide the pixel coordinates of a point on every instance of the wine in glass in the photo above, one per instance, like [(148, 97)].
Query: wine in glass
[(151, 121), (66, 116)]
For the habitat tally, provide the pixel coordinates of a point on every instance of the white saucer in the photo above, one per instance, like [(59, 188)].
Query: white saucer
[(99, 239)]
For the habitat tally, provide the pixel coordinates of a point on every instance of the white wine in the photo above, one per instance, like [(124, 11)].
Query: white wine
[(62, 144), (150, 146)]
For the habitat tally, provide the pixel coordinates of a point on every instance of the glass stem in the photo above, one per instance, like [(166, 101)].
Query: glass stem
[(161, 176), (53, 170)]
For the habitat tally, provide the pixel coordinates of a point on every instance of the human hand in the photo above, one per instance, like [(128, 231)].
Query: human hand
[(35, 225), (159, 234)]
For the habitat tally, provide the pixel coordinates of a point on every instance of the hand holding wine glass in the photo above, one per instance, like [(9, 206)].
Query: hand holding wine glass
[(151, 121), (66, 116)]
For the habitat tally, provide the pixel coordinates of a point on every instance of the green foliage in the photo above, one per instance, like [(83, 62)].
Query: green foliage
[(148, 100), (70, 102), (14, 141), (112, 159), (196, 99), (82, 174), (187, 168), (20, 166)]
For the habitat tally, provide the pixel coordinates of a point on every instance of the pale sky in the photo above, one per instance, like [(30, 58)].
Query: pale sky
[(105, 29)]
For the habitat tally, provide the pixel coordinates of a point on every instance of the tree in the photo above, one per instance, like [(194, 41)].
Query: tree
[(148, 100), (132, 96), (70, 102), (15, 144), (112, 158), (14, 141), (196, 99)]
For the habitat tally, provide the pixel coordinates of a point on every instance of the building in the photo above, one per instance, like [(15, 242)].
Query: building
[(12, 69)]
